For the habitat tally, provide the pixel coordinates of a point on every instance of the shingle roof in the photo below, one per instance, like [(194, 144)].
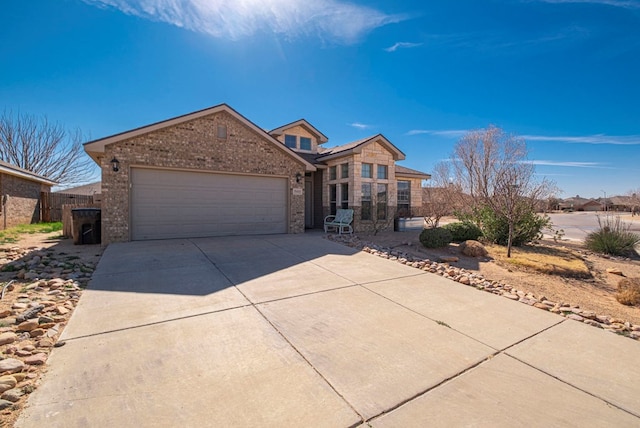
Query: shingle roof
[(404, 170), (8, 168)]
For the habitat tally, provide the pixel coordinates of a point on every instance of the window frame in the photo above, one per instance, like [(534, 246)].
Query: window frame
[(289, 137), (385, 172), (404, 198), (366, 202), (344, 195), (305, 139), (333, 198), (382, 201), (333, 172), (344, 170), (369, 169), (221, 132)]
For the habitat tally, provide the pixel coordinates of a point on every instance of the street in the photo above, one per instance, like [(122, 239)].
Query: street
[(578, 225)]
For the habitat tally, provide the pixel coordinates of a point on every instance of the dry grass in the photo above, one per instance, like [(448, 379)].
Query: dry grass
[(542, 259), (629, 291)]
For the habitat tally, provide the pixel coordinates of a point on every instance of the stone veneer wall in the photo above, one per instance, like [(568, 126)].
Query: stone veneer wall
[(194, 145), (375, 154), (20, 200)]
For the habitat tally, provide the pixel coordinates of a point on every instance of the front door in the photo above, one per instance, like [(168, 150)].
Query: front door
[(308, 203)]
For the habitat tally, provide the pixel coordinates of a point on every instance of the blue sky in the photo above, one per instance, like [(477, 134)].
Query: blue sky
[(563, 74)]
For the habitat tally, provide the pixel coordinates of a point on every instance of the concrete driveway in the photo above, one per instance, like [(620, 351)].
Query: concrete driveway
[(295, 330)]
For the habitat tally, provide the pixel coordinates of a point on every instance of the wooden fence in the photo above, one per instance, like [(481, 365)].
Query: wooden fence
[(51, 204)]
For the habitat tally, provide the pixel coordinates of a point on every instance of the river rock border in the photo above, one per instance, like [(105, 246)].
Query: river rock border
[(462, 276), (44, 291)]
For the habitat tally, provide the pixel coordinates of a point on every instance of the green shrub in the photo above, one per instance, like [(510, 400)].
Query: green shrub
[(495, 228), (613, 237), (463, 231), (435, 237)]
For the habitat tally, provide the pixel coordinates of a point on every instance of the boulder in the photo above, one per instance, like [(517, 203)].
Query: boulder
[(473, 248), (629, 291)]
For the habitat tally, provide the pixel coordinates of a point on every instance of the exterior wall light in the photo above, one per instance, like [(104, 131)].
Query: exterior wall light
[(298, 177), (115, 164)]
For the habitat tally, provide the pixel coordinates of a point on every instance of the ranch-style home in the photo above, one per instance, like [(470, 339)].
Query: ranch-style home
[(213, 172)]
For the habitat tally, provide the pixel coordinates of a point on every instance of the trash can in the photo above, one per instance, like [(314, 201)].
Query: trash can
[(86, 225)]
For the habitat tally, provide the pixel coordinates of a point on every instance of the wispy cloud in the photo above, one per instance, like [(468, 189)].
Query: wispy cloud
[(627, 4), (570, 164), (449, 133), (335, 20), (620, 140), (360, 125), (402, 45), (625, 140)]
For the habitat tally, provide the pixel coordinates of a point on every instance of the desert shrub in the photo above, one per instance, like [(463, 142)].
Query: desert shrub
[(495, 228), (613, 237), (463, 231), (435, 237), (629, 291)]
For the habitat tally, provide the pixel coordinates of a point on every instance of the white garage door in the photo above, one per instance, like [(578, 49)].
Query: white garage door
[(180, 204)]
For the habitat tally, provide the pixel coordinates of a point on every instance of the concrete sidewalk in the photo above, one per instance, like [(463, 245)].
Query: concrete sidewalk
[(295, 330)]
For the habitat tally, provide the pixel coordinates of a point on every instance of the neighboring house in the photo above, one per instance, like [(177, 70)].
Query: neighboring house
[(580, 204), (90, 189), (213, 172), (621, 203), (20, 192)]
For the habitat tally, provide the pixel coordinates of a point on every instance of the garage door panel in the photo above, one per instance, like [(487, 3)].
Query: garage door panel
[(182, 204)]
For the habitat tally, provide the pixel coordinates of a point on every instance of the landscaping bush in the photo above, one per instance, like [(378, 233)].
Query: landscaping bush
[(435, 237), (629, 291), (495, 228), (613, 237), (463, 231)]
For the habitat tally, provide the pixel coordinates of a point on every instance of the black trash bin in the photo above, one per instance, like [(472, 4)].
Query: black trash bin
[(86, 225)]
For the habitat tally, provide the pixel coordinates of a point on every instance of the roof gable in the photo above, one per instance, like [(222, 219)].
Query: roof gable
[(403, 171), (96, 147), (357, 146), (10, 169), (301, 122)]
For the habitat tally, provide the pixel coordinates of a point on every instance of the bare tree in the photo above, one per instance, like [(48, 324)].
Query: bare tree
[(491, 166), (48, 149), (442, 197)]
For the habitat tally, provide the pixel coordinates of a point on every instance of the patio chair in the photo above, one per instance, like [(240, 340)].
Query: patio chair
[(340, 222)]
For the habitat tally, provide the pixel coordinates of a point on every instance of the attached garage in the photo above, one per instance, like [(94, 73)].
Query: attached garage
[(186, 204)]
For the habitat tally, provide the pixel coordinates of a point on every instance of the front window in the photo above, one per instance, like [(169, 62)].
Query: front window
[(381, 202), (344, 196), (404, 198), (366, 170), (290, 141), (382, 172), (366, 201), (344, 170), (332, 173), (305, 143), (333, 198), (222, 131)]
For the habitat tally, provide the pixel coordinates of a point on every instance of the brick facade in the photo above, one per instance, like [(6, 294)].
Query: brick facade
[(20, 202), (194, 145)]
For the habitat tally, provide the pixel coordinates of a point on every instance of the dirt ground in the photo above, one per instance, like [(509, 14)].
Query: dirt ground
[(595, 294)]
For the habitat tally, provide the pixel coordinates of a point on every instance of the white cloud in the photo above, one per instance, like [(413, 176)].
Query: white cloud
[(335, 20), (360, 125), (567, 164), (402, 45), (627, 4), (625, 140), (620, 140), (450, 133)]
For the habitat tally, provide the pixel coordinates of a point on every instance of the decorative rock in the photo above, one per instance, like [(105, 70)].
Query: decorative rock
[(511, 296), (473, 248), (614, 271), (575, 317), (449, 259), (8, 337), (5, 313), (37, 332), (464, 280), (11, 365), (28, 325), (7, 382), (12, 395), (37, 359), (4, 404)]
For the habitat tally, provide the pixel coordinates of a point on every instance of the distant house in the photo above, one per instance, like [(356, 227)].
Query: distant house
[(90, 189), (580, 204), (621, 203), (20, 190)]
